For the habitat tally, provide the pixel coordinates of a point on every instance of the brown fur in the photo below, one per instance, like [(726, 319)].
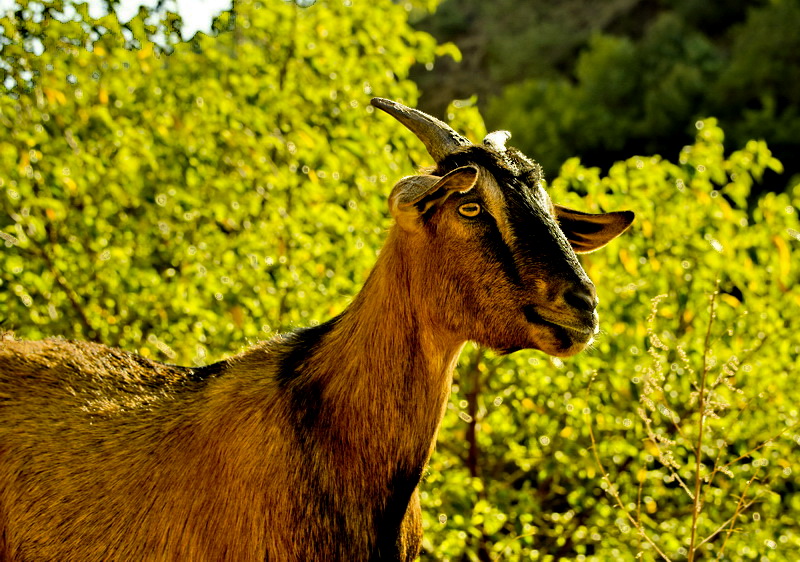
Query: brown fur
[(307, 447)]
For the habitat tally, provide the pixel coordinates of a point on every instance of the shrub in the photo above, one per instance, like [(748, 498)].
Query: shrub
[(180, 206)]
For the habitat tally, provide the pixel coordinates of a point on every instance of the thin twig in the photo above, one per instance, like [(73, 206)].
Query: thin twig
[(698, 455), (761, 446), (639, 507), (512, 540), (739, 510), (715, 470), (727, 522)]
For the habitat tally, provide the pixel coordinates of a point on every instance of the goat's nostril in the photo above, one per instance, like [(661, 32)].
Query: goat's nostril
[(582, 299)]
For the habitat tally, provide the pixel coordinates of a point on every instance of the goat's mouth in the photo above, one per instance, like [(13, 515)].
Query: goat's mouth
[(578, 329)]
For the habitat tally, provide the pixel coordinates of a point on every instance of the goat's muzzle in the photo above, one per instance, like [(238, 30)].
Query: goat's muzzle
[(571, 329)]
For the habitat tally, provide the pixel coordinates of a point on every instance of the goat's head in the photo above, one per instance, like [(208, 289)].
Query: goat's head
[(496, 255)]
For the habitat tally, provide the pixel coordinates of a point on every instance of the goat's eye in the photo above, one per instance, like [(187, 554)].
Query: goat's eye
[(470, 210)]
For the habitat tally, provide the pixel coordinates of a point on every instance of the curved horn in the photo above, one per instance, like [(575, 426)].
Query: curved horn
[(438, 137)]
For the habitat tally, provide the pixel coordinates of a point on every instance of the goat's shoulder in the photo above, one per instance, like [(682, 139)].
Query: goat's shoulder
[(285, 359)]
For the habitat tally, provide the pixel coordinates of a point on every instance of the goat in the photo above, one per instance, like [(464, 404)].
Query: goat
[(310, 446)]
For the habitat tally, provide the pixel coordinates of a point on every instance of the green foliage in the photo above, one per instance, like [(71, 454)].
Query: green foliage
[(625, 94), (182, 206), (222, 193)]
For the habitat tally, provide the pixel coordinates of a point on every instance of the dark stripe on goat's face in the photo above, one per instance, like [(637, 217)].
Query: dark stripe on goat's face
[(495, 247), (537, 240)]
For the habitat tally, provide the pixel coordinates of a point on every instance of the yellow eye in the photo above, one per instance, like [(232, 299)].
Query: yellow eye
[(470, 210)]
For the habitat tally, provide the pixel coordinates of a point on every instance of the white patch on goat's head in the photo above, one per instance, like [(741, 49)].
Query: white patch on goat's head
[(497, 140)]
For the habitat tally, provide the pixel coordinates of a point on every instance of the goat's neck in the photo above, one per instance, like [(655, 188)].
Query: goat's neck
[(384, 365)]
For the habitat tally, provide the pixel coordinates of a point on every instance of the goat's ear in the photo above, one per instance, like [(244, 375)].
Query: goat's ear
[(587, 232), (413, 196)]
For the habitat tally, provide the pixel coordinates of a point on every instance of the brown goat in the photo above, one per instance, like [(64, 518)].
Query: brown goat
[(311, 446)]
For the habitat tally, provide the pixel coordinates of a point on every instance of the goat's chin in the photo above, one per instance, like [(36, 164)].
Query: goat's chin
[(573, 349), (557, 337), (559, 341), (551, 339)]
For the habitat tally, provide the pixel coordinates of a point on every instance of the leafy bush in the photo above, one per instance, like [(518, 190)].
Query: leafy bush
[(230, 190), (180, 206)]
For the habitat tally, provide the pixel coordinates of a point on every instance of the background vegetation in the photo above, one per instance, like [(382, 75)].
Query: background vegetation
[(183, 199), (609, 79)]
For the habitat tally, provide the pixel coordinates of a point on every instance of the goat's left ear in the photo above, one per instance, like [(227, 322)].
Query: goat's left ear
[(413, 196), (587, 232)]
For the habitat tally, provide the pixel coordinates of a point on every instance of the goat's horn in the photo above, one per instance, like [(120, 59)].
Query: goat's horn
[(438, 137)]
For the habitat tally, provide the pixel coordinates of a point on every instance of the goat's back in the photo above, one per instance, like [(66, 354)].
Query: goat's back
[(100, 449), (83, 372)]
